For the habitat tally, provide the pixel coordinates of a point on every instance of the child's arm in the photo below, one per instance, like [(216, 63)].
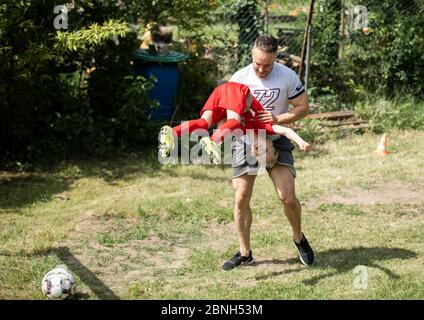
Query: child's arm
[(293, 136)]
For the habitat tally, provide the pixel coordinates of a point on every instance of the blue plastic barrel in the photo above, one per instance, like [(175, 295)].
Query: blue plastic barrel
[(166, 71), (166, 88)]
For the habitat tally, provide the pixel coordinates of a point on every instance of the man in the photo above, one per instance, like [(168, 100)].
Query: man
[(274, 86)]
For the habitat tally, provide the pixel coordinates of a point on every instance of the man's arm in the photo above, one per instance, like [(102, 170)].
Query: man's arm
[(300, 110)]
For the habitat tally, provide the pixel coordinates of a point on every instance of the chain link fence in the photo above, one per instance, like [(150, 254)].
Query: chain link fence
[(343, 48), (239, 23)]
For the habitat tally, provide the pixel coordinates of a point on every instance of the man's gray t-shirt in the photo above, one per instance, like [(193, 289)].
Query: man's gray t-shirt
[(273, 92)]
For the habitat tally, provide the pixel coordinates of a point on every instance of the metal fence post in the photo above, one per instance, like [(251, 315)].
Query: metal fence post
[(308, 59)]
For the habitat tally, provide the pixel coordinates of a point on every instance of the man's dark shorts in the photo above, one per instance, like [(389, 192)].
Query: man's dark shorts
[(244, 162)]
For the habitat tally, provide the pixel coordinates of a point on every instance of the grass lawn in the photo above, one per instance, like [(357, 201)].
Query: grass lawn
[(133, 229)]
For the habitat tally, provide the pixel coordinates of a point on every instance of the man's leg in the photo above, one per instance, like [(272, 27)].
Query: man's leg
[(284, 184), (244, 171), (243, 188)]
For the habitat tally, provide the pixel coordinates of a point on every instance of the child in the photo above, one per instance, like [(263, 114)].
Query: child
[(231, 101), (225, 105)]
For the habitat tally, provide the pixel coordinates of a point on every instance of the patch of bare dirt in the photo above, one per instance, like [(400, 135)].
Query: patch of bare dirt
[(392, 192), (219, 236), (94, 223), (134, 261)]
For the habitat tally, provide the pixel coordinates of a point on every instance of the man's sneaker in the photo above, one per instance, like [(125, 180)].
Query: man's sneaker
[(306, 254), (238, 260), (166, 141), (212, 149)]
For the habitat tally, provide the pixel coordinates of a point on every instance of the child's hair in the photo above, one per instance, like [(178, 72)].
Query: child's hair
[(271, 154)]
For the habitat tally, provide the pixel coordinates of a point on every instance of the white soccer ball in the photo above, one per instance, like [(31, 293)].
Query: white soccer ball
[(58, 283)]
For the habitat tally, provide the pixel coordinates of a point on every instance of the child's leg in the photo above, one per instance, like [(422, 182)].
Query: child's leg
[(221, 122), (168, 134), (233, 115), (208, 116), (233, 122), (203, 123)]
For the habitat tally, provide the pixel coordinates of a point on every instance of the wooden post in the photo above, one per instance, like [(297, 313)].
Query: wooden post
[(342, 29), (308, 59), (305, 38)]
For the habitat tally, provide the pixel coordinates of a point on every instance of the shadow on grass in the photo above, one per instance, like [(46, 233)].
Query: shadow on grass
[(275, 261), (343, 261), (77, 268), (130, 166), (19, 190)]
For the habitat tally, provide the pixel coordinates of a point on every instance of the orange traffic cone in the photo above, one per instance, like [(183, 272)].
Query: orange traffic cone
[(382, 146)]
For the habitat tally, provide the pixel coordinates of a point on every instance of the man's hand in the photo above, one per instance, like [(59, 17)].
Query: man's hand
[(266, 117)]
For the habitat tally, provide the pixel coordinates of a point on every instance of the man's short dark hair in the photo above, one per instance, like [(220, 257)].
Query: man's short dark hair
[(266, 43)]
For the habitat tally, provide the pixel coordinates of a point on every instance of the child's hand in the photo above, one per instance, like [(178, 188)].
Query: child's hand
[(304, 146)]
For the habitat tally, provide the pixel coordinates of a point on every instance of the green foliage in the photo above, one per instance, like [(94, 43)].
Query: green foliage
[(389, 60), (199, 73), (312, 131), (383, 114), (172, 11), (74, 91), (47, 93), (94, 35), (247, 16), (327, 70), (236, 24), (386, 60), (309, 130), (198, 79)]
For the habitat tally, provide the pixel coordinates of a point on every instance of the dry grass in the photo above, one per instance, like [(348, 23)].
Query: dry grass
[(132, 229)]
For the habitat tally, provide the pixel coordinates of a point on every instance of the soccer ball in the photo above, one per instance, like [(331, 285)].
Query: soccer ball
[(58, 283)]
